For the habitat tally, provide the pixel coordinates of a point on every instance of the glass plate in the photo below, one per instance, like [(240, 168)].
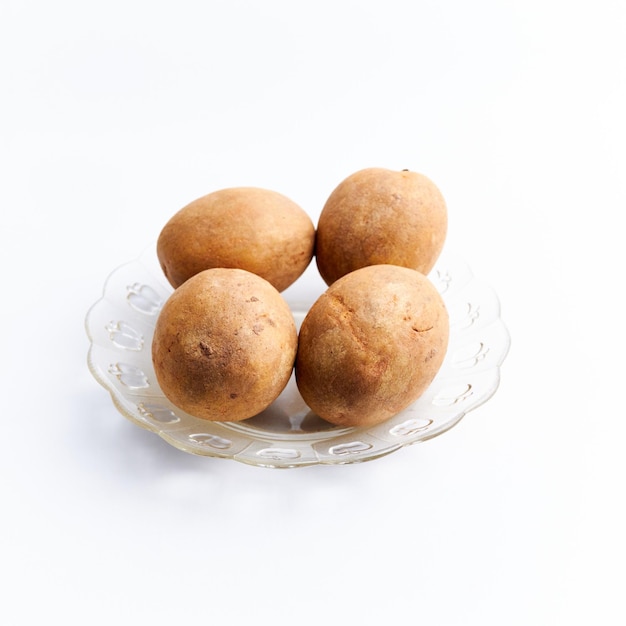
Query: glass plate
[(288, 434)]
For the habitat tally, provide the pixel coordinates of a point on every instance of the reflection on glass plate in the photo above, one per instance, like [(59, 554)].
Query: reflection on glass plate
[(288, 433)]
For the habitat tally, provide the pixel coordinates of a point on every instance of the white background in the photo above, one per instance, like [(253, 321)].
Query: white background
[(114, 115)]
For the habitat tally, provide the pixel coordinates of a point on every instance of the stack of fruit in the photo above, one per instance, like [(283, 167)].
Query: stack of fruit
[(225, 343)]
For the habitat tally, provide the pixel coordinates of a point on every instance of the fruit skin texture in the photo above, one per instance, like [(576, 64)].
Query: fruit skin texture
[(248, 228), (224, 345), (381, 216), (371, 345)]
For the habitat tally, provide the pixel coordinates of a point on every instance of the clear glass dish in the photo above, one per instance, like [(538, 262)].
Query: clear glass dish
[(287, 434)]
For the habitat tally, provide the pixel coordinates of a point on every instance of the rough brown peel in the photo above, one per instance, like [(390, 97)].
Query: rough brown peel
[(224, 345), (371, 345), (249, 228), (381, 216)]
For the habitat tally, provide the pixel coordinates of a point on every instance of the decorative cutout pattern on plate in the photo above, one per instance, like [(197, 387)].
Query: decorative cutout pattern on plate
[(124, 336), (212, 441), (120, 327), (144, 299)]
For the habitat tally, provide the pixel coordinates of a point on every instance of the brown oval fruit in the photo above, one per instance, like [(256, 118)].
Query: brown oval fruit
[(371, 345), (380, 216), (248, 228), (224, 345)]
